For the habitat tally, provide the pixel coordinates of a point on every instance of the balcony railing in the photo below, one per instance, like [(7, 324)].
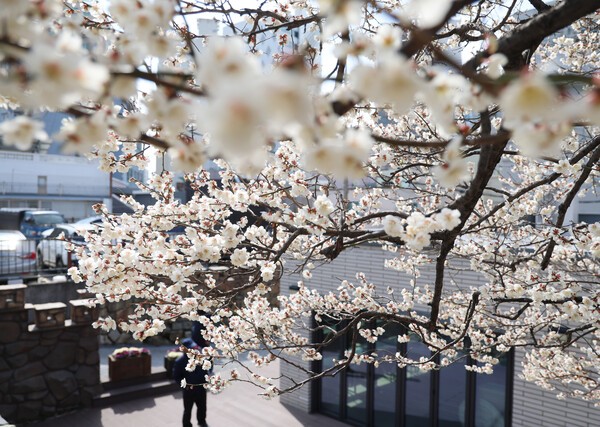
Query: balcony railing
[(47, 158), (54, 189)]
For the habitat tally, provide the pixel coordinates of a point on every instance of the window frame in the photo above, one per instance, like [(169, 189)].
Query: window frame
[(400, 401)]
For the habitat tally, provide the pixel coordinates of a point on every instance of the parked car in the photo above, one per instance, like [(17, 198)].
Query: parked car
[(30, 222), (97, 219), (17, 255), (52, 252)]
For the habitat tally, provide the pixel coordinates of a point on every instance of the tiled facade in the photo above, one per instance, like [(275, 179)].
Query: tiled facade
[(531, 406)]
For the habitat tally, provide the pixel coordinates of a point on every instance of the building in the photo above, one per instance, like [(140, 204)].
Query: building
[(46, 179), (270, 47), (388, 396)]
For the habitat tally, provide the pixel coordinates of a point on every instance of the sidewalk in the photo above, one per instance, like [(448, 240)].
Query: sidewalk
[(238, 405)]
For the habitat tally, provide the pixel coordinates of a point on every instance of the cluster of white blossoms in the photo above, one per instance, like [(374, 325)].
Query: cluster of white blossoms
[(416, 230), (22, 132), (327, 120)]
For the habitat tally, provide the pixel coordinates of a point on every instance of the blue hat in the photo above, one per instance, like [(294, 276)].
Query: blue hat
[(189, 343)]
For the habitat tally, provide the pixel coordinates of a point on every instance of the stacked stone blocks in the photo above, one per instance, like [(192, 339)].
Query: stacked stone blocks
[(46, 368)]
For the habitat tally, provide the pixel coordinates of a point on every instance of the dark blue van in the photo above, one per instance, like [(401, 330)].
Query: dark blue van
[(30, 222)]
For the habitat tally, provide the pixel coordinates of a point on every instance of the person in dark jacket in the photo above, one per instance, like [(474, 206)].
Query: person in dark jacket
[(193, 391)]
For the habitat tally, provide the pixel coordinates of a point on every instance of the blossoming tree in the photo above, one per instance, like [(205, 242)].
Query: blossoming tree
[(434, 128)]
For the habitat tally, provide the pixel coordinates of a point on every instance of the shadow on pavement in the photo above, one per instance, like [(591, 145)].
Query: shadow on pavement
[(312, 420), (91, 417), (138, 405)]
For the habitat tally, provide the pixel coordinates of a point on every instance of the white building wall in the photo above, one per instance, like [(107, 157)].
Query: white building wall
[(73, 210), (589, 204), (66, 175), (532, 406), (68, 184)]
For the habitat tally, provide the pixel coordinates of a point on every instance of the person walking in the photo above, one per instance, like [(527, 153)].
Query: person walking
[(193, 388)]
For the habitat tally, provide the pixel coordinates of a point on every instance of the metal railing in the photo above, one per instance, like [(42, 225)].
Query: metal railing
[(20, 260), (7, 187)]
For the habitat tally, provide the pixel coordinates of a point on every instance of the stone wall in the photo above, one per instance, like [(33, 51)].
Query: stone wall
[(44, 371), (55, 291)]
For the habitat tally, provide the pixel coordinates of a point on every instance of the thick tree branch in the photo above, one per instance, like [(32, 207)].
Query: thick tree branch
[(534, 31), (564, 206)]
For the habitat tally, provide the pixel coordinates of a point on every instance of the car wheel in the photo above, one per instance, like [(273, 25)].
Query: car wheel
[(59, 263)]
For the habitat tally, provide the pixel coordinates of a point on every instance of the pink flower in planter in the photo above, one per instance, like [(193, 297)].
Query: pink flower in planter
[(124, 352)]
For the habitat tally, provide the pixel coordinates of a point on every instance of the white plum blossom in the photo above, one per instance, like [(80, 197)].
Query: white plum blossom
[(448, 219), (441, 95), (323, 205), (453, 170), (391, 81), (392, 226), (305, 130), (417, 228), (225, 60), (128, 257), (388, 37), (61, 78), (232, 124), (417, 234), (74, 274), (537, 140), (81, 134), (427, 13), (267, 271), (188, 156), (340, 14), (239, 257), (531, 97), (286, 99), (494, 65), (341, 156), (22, 132)]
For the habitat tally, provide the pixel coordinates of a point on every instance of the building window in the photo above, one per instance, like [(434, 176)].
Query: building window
[(589, 218), (387, 396), (42, 184), (330, 387), (417, 387)]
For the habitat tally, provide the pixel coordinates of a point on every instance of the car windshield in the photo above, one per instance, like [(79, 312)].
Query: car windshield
[(77, 238), (48, 219)]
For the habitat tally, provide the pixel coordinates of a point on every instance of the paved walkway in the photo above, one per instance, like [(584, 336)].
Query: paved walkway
[(238, 405)]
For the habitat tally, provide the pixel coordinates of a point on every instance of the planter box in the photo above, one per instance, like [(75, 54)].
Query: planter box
[(129, 367)]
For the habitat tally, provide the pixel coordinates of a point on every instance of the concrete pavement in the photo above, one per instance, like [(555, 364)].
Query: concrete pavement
[(238, 405)]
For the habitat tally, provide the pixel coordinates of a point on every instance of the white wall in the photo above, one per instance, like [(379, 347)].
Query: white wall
[(66, 175)]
